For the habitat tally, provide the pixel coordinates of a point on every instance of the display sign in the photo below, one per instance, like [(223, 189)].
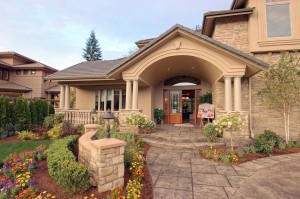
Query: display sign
[(206, 110)]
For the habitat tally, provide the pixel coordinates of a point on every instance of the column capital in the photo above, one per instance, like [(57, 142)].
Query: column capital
[(227, 76)]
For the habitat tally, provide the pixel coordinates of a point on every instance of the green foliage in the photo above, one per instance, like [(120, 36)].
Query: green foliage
[(51, 109), (92, 51), (142, 122), (271, 136), (42, 110), (71, 176), (290, 144), (210, 132), (27, 135), (52, 120), (282, 87), (281, 146), (6, 111), (33, 112), (206, 98), (55, 132), (263, 146), (158, 115), (22, 115), (249, 149)]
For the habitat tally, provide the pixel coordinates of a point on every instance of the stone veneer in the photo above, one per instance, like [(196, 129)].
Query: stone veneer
[(125, 128), (105, 159)]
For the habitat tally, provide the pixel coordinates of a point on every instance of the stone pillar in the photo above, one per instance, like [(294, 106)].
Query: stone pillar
[(67, 97), (91, 127), (128, 94), (228, 93), (135, 94), (62, 97), (237, 94)]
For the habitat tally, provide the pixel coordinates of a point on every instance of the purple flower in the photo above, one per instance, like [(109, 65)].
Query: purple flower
[(31, 182)]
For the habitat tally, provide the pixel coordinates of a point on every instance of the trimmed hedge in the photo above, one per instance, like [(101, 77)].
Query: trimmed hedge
[(71, 176)]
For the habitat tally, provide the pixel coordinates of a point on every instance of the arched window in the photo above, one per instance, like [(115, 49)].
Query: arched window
[(182, 80)]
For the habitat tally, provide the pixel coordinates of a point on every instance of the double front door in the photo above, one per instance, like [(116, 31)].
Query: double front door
[(180, 106)]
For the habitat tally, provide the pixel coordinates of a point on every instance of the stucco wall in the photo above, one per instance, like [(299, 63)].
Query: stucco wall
[(232, 31), (85, 99), (145, 101)]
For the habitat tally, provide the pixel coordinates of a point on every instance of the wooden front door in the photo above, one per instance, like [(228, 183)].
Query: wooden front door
[(175, 107)]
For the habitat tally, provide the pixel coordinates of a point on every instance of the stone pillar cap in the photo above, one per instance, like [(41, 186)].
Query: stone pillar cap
[(91, 126), (107, 143)]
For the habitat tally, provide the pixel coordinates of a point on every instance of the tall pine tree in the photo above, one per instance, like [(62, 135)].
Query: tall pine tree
[(92, 51)]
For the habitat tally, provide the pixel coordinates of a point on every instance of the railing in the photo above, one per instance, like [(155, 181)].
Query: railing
[(82, 116)]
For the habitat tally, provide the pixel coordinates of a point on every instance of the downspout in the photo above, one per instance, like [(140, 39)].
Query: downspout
[(250, 109)]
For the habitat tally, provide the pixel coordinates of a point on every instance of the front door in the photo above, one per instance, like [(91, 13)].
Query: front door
[(175, 107)]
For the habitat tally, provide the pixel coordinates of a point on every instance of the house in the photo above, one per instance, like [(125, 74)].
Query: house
[(226, 57), (20, 75)]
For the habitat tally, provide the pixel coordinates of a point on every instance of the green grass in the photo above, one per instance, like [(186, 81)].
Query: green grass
[(8, 148)]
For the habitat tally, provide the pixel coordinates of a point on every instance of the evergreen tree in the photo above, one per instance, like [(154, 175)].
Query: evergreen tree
[(51, 109), (33, 112), (92, 51), (22, 115)]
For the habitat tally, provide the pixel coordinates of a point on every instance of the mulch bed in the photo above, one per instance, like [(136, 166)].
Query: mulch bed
[(253, 156), (45, 182), (11, 139)]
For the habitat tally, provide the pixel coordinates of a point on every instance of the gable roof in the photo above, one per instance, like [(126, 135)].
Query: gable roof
[(12, 87), (87, 70), (36, 65), (104, 69)]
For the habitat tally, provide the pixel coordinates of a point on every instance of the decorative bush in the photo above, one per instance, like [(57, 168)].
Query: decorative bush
[(158, 115), (210, 132), (52, 120), (142, 122), (224, 155), (263, 146), (51, 109), (27, 135), (55, 132), (22, 114), (71, 176), (206, 98), (271, 136)]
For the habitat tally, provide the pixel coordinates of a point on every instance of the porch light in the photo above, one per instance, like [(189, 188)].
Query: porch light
[(107, 117)]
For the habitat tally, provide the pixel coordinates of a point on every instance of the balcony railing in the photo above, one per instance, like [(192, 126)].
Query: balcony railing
[(82, 116)]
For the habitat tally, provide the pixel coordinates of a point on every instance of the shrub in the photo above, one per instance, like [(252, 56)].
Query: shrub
[(281, 146), (263, 146), (22, 114), (33, 112), (71, 176), (51, 109), (210, 132), (52, 120), (143, 124), (249, 149), (271, 136), (290, 144), (55, 132), (27, 135), (11, 129)]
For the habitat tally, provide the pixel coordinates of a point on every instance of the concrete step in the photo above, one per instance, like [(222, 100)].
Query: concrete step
[(185, 146)]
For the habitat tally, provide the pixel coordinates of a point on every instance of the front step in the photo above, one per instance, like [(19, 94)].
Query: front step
[(186, 146)]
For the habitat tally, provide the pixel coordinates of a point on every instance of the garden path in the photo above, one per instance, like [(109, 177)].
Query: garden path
[(183, 174)]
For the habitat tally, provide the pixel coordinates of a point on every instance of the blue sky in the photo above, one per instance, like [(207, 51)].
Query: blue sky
[(55, 31)]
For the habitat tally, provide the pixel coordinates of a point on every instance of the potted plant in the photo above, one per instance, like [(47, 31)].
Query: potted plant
[(158, 115)]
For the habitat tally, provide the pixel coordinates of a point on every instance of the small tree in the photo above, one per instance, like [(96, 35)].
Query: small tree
[(22, 116), (33, 112), (92, 51), (282, 87)]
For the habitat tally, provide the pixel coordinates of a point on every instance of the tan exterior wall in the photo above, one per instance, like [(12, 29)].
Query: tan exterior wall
[(264, 118), (85, 98), (35, 82), (145, 101), (232, 31)]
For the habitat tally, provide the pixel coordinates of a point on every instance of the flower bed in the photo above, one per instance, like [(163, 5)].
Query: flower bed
[(16, 173)]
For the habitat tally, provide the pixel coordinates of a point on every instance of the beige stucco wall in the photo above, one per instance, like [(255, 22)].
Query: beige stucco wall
[(145, 102), (233, 31), (85, 98)]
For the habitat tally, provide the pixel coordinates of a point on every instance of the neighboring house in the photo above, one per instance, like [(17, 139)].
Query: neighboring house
[(226, 57), (20, 75)]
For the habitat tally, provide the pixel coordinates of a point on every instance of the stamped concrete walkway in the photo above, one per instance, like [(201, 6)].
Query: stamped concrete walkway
[(185, 175)]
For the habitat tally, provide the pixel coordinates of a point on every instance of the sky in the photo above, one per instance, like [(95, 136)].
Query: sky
[(54, 32)]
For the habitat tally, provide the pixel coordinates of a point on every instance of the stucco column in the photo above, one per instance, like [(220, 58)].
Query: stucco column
[(135, 94), (99, 99), (128, 94), (62, 97), (105, 100), (237, 94), (67, 97), (120, 99), (228, 93), (112, 100)]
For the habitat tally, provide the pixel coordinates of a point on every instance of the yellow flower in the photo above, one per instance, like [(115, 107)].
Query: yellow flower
[(23, 184), (92, 195), (85, 197), (53, 197)]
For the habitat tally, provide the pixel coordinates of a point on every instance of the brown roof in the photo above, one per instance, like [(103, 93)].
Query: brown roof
[(6, 65), (101, 69), (36, 65), (87, 70), (12, 87), (236, 4), (53, 89)]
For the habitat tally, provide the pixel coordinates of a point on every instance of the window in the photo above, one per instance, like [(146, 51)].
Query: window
[(278, 18), (5, 74), (18, 72), (110, 99), (33, 72), (116, 100), (25, 72)]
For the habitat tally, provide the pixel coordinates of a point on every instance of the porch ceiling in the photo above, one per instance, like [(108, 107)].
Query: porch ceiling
[(180, 65)]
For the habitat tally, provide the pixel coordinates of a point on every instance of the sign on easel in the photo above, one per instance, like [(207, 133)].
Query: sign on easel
[(206, 110)]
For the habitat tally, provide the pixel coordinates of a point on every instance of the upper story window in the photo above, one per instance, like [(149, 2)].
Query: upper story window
[(18, 72), (4, 74), (33, 72), (25, 72), (278, 18)]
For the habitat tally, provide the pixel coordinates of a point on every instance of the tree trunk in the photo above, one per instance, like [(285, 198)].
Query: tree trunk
[(285, 124)]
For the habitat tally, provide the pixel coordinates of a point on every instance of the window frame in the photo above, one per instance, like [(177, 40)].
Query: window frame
[(266, 4)]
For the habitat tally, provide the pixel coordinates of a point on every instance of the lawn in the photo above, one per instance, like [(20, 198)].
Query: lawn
[(8, 148)]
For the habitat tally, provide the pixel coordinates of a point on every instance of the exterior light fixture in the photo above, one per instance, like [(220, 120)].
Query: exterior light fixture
[(107, 117)]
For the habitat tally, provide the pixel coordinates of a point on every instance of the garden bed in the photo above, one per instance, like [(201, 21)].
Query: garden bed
[(253, 156), (45, 182)]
